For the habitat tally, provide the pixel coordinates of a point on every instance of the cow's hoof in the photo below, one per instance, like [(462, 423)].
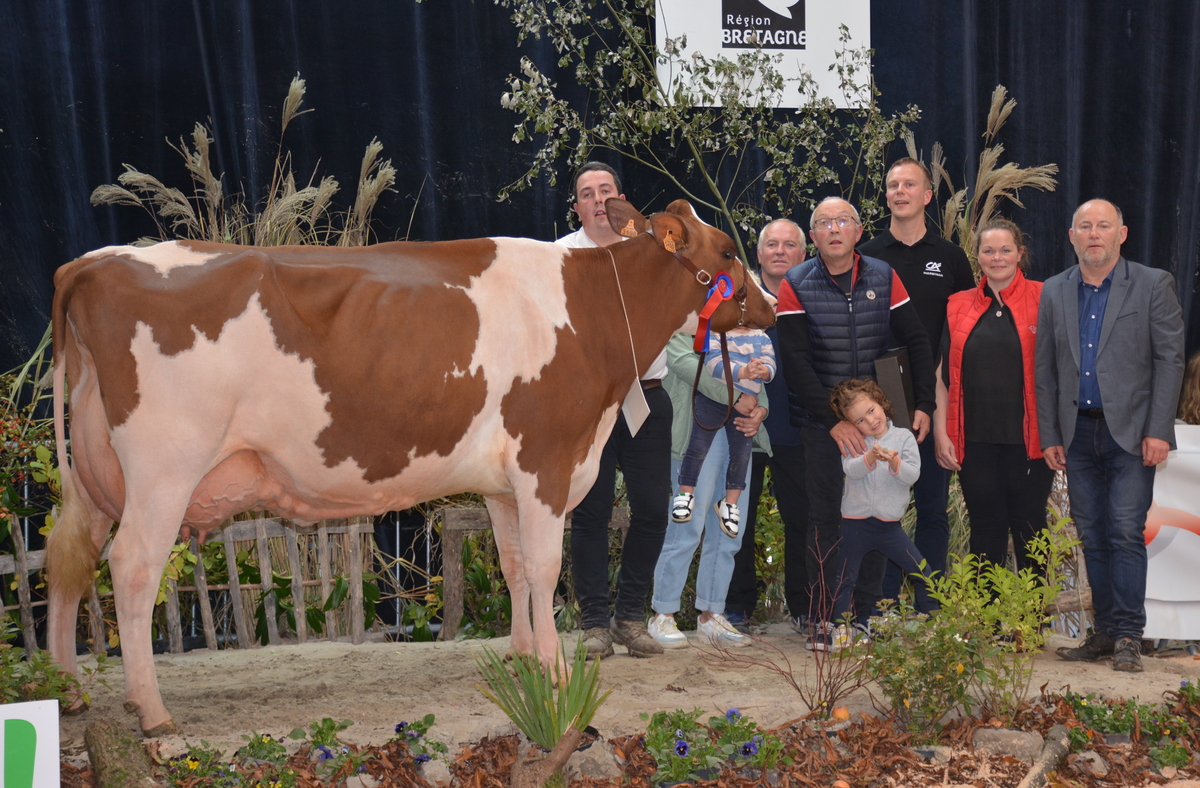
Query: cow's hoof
[(167, 728)]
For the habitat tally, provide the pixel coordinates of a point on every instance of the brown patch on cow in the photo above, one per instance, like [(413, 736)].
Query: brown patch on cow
[(388, 328)]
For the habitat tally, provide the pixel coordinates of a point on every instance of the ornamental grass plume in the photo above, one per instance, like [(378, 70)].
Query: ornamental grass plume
[(972, 207)]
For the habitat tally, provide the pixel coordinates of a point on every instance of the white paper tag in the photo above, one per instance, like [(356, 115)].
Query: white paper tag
[(635, 409)]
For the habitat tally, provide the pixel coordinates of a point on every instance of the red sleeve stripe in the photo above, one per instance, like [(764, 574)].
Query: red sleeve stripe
[(899, 294), (788, 301)]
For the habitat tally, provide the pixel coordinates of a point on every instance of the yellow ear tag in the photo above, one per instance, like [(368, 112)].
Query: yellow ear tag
[(669, 242), (629, 231)]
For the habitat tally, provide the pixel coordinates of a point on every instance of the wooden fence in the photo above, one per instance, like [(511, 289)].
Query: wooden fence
[(456, 524), (258, 532)]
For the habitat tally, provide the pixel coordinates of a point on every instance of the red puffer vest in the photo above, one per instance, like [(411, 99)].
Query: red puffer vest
[(962, 313)]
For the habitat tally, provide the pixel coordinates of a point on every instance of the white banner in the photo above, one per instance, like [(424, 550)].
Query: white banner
[(805, 32), (1173, 543)]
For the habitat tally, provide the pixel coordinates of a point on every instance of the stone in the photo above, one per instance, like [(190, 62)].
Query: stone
[(598, 761), (1025, 746), (936, 754), (1088, 763)]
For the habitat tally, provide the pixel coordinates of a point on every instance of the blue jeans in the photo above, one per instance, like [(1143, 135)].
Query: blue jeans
[(1110, 494), (682, 539), (741, 446)]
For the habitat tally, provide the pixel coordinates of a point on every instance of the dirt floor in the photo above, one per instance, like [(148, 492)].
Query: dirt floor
[(218, 696)]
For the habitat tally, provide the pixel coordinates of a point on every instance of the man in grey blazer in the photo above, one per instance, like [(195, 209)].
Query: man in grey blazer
[(1109, 368)]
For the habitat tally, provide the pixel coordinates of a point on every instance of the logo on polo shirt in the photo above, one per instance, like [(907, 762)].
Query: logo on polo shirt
[(933, 268)]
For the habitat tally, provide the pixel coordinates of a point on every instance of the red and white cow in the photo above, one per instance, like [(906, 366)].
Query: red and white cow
[(206, 380)]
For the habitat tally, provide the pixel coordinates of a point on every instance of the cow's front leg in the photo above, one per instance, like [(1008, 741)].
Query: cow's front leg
[(541, 550), (139, 554), (505, 529)]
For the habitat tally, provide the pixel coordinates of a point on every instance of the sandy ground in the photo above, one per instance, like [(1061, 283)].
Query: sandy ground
[(218, 696)]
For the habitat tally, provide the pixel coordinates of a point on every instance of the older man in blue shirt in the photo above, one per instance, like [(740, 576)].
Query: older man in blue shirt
[(1109, 368)]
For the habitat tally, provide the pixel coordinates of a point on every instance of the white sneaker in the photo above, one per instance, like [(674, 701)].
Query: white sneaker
[(848, 635), (681, 507), (843, 638), (720, 632), (730, 517), (664, 631)]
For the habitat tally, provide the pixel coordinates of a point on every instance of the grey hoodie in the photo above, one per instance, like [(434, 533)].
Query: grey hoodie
[(879, 493)]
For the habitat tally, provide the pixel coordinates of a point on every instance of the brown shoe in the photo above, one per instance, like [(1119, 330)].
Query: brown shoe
[(598, 642), (1127, 655), (1095, 647), (634, 637)]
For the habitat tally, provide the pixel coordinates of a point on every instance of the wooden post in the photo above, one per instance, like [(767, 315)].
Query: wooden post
[(174, 621), (456, 523), (325, 569), (99, 636), (206, 615), (292, 539), (23, 596), (270, 610), (354, 534), (245, 635)]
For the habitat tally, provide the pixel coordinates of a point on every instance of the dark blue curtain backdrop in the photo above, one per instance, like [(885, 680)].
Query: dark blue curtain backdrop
[(1108, 90)]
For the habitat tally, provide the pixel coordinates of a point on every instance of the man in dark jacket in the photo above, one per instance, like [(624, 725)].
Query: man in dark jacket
[(834, 316)]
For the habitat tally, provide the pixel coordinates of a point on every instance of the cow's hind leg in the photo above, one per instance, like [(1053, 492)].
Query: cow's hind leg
[(139, 554)]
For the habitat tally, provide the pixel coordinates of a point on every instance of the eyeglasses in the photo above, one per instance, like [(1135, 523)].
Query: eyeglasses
[(828, 224)]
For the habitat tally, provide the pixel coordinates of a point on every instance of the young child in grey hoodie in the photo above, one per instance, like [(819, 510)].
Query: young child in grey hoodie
[(875, 496)]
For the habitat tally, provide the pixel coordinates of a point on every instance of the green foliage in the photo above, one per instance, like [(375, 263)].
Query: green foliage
[(415, 736), (978, 647), (531, 700), (36, 676), (1157, 724), (487, 608), (684, 749), (261, 747), (204, 766), (923, 665), (323, 733), (704, 132), (1171, 753)]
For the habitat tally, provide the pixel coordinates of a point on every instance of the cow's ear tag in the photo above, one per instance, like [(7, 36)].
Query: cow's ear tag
[(669, 242), (629, 231)]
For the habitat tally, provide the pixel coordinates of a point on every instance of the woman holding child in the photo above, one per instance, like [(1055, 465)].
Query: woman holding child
[(985, 426)]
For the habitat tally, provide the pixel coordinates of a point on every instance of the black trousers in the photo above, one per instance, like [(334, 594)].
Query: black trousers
[(1005, 493), (645, 460), (787, 486)]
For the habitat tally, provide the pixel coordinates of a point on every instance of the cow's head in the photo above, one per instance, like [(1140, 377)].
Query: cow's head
[(705, 252)]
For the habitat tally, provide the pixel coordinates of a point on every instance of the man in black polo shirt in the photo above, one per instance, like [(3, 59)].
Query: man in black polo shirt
[(931, 270)]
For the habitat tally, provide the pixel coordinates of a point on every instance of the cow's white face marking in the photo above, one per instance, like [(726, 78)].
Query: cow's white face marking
[(163, 256), (521, 301)]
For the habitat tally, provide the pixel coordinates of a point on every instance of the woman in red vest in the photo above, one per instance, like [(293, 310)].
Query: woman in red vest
[(985, 425)]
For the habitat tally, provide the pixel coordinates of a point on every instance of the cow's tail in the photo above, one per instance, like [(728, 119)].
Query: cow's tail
[(71, 553)]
